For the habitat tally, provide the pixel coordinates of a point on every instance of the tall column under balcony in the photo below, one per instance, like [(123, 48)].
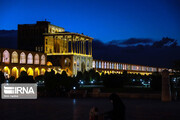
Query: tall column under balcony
[(72, 44), (81, 47)]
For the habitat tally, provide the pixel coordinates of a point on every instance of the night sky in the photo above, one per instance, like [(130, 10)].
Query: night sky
[(105, 20)]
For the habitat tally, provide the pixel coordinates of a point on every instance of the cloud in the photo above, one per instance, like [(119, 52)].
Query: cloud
[(132, 41), (165, 42)]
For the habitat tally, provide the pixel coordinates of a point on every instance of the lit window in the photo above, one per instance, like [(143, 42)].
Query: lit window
[(6, 57), (117, 66), (134, 67), (96, 64), (99, 64), (102, 64), (36, 59), (105, 65), (43, 60), (14, 58), (30, 59), (93, 64), (110, 65), (22, 58), (123, 66)]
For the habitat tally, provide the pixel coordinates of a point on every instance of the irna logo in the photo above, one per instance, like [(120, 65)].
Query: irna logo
[(19, 91)]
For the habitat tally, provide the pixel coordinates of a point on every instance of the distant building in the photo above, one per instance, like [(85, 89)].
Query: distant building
[(30, 36), (116, 67)]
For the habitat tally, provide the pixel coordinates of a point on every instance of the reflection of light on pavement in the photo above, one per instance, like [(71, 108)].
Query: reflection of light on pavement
[(74, 101)]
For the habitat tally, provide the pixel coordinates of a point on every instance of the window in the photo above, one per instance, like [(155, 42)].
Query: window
[(93, 64), (143, 68), (105, 65), (22, 58), (99, 64), (96, 64), (112, 65), (36, 59), (123, 67), (30, 59), (134, 67), (6, 57), (43, 60), (14, 58), (119, 66)]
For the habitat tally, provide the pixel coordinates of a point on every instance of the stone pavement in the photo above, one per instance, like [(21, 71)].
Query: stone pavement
[(78, 109)]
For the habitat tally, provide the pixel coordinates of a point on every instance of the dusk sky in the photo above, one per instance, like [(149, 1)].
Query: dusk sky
[(105, 20)]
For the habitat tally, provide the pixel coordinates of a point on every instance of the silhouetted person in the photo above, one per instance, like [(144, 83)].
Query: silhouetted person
[(93, 114), (118, 112)]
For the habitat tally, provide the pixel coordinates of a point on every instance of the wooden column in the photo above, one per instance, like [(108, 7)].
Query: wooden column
[(72, 43), (81, 47), (85, 47), (88, 48), (91, 47), (77, 46), (67, 47)]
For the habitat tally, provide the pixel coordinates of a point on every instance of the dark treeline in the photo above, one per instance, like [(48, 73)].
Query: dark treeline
[(51, 84)]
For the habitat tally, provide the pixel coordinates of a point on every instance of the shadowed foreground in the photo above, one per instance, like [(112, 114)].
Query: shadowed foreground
[(78, 109)]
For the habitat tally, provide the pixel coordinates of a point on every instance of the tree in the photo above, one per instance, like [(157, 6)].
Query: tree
[(176, 65), (2, 78), (156, 82)]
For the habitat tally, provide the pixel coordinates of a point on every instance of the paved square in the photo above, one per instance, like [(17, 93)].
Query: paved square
[(78, 109)]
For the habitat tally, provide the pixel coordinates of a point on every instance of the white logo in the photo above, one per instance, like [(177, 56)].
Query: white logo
[(18, 90)]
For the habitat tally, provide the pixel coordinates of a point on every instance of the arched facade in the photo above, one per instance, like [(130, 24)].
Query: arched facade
[(14, 57), (30, 72), (22, 69), (43, 61), (36, 72), (6, 70), (6, 57), (30, 59), (43, 71), (15, 72), (36, 59), (13, 62), (22, 58)]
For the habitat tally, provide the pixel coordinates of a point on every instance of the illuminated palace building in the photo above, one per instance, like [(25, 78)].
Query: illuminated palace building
[(44, 46)]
